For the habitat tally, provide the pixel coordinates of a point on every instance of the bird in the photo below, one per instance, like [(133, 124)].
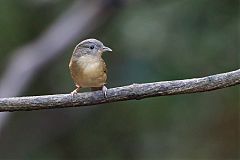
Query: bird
[(87, 67)]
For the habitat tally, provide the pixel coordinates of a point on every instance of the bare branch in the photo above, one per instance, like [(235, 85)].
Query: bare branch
[(134, 91)]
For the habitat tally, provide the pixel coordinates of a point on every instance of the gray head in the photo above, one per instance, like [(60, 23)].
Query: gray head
[(90, 47)]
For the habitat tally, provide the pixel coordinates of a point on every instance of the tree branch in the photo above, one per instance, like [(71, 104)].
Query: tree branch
[(134, 91)]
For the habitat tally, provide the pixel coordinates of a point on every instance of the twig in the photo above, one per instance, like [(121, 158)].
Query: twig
[(134, 91)]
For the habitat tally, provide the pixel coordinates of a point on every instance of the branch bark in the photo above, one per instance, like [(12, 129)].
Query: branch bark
[(134, 91)]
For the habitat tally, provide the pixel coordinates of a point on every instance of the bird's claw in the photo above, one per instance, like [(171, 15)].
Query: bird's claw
[(74, 92), (104, 90)]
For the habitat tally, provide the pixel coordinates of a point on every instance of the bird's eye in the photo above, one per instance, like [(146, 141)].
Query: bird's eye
[(91, 47)]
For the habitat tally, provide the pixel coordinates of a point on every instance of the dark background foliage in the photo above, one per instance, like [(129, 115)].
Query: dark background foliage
[(151, 41)]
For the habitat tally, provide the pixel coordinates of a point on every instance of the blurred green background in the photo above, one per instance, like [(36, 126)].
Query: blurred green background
[(151, 41)]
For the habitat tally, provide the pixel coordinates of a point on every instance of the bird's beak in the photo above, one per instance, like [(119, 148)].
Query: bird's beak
[(106, 49)]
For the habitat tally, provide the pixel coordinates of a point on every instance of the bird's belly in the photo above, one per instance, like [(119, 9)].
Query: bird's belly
[(91, 75)]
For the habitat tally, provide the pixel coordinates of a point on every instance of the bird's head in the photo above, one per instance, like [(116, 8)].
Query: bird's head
[(90, 47)]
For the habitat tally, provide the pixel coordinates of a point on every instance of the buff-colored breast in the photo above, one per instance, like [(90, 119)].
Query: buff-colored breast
[(88, 71)]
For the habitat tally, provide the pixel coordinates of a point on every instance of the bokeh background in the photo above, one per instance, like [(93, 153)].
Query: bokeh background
[(152, 40)]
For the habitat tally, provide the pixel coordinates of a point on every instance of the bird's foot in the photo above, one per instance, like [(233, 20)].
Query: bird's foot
[(104, 90), (73, 93)]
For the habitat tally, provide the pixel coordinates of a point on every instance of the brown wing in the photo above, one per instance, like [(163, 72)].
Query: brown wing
[(73, 71)]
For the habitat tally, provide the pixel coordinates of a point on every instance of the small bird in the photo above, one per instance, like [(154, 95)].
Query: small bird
[(87, 68)]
